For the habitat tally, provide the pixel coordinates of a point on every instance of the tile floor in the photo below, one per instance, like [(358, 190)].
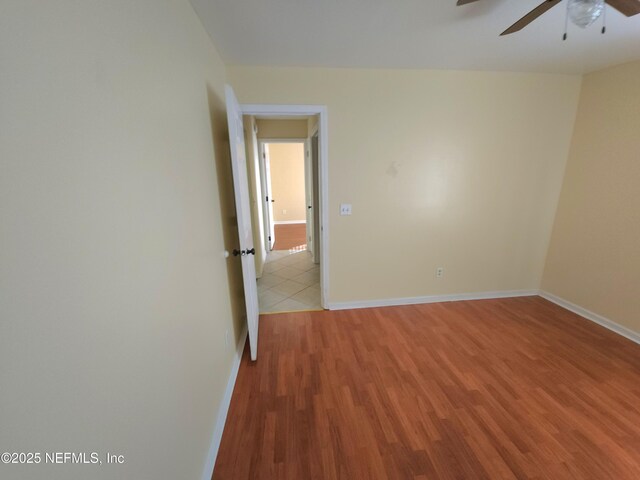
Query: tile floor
[(290, 282)]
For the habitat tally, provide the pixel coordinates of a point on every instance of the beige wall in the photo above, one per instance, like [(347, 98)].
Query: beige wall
[(454, 169), (287, 181), (594, 256), (268, 128), (114, 213), (255, 192)]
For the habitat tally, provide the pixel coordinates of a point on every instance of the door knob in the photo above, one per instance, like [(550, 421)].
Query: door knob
[(242, 253)]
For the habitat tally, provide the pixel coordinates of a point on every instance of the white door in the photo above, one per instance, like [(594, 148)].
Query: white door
[(243, 211), (308, 194), (269, 198)]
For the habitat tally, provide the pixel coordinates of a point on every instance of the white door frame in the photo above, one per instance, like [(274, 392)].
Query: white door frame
[(323, 167), (262, 142), (269, 236)]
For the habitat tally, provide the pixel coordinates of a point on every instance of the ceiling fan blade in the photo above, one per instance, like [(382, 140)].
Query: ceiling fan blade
[(464, 2), (626, 7), (531, 16)]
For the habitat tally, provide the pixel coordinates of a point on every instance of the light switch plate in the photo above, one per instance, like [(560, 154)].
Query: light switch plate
[(345, 209)]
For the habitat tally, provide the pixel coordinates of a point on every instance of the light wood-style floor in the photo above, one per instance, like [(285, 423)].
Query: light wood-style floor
[(493, 389), (290, 236)]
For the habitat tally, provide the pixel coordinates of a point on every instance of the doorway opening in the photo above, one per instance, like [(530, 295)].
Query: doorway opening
[(287, 187), (284, 157), (290, 279)]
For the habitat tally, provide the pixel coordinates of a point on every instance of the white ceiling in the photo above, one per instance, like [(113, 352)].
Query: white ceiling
[(432, 34)]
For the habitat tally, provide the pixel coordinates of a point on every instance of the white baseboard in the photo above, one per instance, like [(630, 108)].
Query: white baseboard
[(594, 317), (289, 222), (392, 302), (224, 409), (583, 312)]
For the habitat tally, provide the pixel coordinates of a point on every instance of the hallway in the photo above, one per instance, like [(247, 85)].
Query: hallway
[(290, 282)]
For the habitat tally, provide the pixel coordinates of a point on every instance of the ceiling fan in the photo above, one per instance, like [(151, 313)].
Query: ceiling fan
[(581, 12)]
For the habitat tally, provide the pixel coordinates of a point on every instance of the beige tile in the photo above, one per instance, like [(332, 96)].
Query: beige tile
[(289, 305), (303, 267), (314, 271), (314, 306), (289, 261), (272, 267), (308, 267), (269, 309), (269, 280), (308, 278), (309, 296), (298, 249), (268, 298), (304, 254), (276, 255), (294, 285), (288, 288), (305, 259), (289, 272)]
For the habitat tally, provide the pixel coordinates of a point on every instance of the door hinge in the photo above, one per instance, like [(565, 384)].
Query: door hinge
[(267, 198), (269, 237)]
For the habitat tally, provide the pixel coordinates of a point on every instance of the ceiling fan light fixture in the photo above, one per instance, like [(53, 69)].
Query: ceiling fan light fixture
[(584, 12)]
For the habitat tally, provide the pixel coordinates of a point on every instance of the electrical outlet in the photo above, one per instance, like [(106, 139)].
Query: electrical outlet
[(284, 212), (439, 272), (345, 209)]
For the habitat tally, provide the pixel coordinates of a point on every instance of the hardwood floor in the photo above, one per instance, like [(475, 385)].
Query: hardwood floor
[(493, 389), (290, 236)]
